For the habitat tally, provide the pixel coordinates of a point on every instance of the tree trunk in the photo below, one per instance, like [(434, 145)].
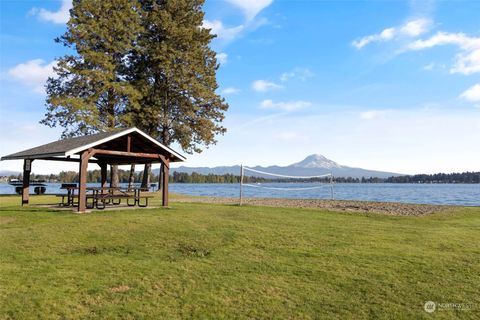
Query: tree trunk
[(131, 178), (146, 176), (160, 177), (114, 183)]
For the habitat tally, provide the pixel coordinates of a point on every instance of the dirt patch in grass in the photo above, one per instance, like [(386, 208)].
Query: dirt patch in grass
[(7, 220), (389, 208), (120, 289), (190, 250)]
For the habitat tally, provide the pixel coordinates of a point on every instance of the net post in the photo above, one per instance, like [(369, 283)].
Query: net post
[(331, 185), (241, 184)]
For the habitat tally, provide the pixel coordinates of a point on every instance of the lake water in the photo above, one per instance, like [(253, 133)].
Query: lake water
[(452, 194)]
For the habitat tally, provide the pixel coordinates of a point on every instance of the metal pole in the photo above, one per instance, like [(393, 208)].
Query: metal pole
[(241, 184)]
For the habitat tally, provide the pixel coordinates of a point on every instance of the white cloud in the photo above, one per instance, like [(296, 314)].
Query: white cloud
[(60, 16), (412, 28), (472, 94), (285, 106), (33, 73), (467, 61), (415, 28), (300, 73), (372, 114), (230, 90), (429, 66), (443, 38), (285, 76), (222, 32), (264, 85), (251, 7), (382, 36), (222, 57)]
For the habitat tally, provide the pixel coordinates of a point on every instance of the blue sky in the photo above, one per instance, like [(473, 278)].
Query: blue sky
[(392, 85)]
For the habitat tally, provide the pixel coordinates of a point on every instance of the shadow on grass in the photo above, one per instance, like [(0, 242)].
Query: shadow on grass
[(32, 209)]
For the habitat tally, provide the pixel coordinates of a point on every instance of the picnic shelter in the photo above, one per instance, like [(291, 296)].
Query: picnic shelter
[(120, 147)]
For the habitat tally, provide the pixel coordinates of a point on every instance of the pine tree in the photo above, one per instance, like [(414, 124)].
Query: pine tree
[(90, 92), (145, 63), (174, 69)]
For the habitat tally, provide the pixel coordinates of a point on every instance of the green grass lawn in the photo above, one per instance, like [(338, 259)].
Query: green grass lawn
[(224, 261)]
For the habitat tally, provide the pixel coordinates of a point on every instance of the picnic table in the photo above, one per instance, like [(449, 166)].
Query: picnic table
[(99, 197), (69, 197)]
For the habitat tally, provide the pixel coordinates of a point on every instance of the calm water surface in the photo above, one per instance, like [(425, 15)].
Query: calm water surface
[(452, 194)]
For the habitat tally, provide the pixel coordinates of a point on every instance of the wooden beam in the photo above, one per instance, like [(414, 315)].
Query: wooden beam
[(66, 159), (27, 168), (128, 154), (125, 162), (129, 143), (82, 183), (165, 167), (165, 161)]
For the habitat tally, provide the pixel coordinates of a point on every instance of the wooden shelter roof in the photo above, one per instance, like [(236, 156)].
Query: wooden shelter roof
[(115, 141)]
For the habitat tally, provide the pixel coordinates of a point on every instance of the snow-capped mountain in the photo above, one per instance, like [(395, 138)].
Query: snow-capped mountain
[(316, 161), (314, 164)]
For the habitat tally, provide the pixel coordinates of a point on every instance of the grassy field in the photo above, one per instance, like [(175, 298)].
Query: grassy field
[(224, 261)]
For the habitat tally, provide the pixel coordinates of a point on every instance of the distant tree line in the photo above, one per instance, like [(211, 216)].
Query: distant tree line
[(182, 177), (465, 177), (194, 177)]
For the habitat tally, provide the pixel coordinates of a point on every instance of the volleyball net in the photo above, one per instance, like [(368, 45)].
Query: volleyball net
[(281, 182)]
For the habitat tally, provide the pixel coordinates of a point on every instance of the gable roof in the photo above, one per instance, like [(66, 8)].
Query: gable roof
[(71, 146)]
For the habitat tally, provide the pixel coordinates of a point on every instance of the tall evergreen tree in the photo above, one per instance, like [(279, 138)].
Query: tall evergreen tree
[(174, 69), (90, 92)]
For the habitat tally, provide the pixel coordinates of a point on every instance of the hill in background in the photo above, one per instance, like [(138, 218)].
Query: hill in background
[(312, 165)]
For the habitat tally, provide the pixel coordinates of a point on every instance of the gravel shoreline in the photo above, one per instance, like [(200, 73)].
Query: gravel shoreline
[(389, 208)]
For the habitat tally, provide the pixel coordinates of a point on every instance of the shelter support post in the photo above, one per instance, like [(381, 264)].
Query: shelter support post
[(165, 174), (82, 183), (160, 177), (103, 174), (27, 168)]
